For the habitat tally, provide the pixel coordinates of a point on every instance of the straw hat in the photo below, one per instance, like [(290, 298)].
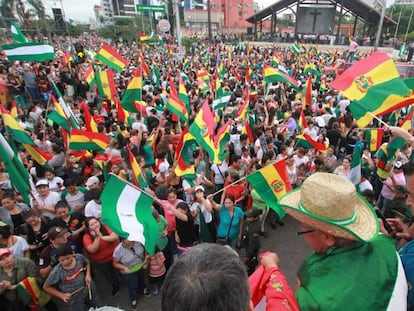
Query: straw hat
[(330, 203)]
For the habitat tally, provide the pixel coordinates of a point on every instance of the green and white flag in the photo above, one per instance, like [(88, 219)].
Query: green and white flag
[(29, 51), (18, 174), (128, 212), (355, 171), (17, 35)]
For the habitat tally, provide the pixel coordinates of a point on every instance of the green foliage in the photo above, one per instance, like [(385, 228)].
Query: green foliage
[(188, 43), (394, 12), (126, 28)]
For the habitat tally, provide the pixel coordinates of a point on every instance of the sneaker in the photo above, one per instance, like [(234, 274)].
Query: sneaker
[(146, 292), (133, 303), (155, 291)]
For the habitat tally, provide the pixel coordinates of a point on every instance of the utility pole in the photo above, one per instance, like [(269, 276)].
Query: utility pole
[(209, 21), (396, 28), (409, 24), (177, 22), (377, 39)]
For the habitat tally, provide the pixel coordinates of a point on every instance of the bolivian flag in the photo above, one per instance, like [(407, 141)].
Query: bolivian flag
[(273, 75), (177, 106), (271, 183), (203, 128), (14, 127), (80, 140), (373, 138), (133, 92), (29, 293), (109, 56), (90, 76), (143, 37), (221, 140), (374, 86), (406, 124), (137, 176), (58, 115), (105, 83)]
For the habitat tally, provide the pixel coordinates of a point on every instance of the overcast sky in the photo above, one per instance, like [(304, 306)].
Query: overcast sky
[(81, 10)]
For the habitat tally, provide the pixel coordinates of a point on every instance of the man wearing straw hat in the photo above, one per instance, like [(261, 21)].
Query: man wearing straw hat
[(352, 266)]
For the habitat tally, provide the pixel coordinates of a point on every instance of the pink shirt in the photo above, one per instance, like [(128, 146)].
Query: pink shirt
[(169, 215), (399, 180)]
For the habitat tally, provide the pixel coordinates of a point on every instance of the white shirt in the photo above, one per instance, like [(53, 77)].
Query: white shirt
[(19, 247), (219, 177), (136, 125), (93, 209), (50, 201)]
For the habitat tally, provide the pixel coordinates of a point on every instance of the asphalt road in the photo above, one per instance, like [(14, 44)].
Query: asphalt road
[(292, 250)]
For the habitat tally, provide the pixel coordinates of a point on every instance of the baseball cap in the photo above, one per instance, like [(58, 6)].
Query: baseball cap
[(92, 180), (42, 182), (4, 251), (56, 232), (199, 188)]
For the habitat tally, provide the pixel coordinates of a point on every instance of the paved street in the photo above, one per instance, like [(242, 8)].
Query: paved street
[(292, 249)]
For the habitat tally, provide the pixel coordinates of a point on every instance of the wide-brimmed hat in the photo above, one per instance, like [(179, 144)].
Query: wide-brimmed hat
[(330, 203)]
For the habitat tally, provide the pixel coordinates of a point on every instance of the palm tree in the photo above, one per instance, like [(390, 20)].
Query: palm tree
[(7, 9)]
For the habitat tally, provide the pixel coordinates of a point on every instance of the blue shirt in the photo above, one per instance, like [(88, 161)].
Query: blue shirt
[(225, 220)]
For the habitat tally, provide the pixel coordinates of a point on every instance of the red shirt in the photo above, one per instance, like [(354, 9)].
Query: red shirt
[(236, 191), (105, 249)]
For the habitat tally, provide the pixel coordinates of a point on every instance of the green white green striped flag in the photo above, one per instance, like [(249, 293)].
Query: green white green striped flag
[(29, 51), (18, 174), (17, 35), (355, 171), (295, 48), (128, 212)]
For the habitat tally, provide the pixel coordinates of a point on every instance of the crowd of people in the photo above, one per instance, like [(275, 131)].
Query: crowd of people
[(59, 240)]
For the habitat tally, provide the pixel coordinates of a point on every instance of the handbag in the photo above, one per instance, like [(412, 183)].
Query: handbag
[(225, 240)]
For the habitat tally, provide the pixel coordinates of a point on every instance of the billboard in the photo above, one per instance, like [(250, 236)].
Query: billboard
[(316, 19)]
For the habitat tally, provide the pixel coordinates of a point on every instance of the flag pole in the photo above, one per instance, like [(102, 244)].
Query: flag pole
[(233, 183), (134, 186), (378, 119)]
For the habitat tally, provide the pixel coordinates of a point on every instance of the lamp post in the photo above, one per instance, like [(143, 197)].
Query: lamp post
[(409, 24)]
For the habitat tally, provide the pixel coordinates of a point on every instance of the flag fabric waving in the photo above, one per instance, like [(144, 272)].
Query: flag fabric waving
[(373, 138), (17, 34), (374, 86), (106, 83), (70, 116), (30, 294), (127, 211), (80, 140), (133, 92), (29, 51), (18, 174), (273, 75), (109, 56), (137, 176), (14, 128), (271, 183), (203, 128)]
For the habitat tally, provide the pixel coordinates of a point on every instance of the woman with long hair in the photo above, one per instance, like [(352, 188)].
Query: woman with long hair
[(100, 242)]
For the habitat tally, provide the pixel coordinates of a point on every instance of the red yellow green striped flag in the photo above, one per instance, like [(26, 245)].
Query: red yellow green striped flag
[(273, 75), (374, 86), (29, 293), (143, 37), (80, 140), (302, 123), (89, 121), (145, 68), (106, 83), (271, 183), (90, 76), (110, 57), (133, 93), (13, 110), (14, 128), (221, 140), (203, 128), (184, 154), (307, 96), (407, 123), (244, 109), (38, 154), (373, 138), (307, 142), (182, 94), (177, 106), (137, 176), (249, 75), (58, 116)]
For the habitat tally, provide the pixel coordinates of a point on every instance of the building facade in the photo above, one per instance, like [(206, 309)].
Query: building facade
[(226, 15)]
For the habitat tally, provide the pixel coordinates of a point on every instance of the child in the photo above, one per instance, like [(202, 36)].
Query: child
[(157, 271), (73, 278)]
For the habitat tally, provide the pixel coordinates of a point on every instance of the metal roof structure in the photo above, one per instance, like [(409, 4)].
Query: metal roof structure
[(357, 8)]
